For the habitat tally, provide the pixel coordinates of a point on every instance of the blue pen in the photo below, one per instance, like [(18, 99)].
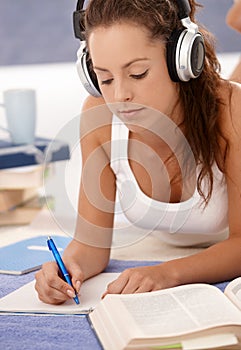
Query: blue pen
[(61, 265)]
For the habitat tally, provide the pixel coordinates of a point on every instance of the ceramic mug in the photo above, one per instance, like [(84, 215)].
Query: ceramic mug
[(20, 110)]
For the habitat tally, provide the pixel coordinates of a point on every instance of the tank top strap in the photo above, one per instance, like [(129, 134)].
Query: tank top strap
[(119, 143)]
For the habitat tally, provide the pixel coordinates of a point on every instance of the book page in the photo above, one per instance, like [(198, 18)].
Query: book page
[(233, 291), (25, 299), (178, 310)]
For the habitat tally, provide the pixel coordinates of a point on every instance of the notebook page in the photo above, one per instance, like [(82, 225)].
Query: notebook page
[(25, 299)]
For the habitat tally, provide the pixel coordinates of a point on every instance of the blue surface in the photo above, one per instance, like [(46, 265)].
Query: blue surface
[(52, 332)]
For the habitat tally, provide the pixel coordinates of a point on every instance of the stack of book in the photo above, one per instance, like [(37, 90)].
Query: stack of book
[(23, 171), (20, 194)]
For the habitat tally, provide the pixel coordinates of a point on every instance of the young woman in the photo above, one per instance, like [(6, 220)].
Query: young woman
[(166, 123)]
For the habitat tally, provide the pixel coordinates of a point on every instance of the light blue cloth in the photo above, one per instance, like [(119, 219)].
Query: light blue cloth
[(52, 332)]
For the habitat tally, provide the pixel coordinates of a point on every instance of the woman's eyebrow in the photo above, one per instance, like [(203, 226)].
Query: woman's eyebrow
[(126, 65)]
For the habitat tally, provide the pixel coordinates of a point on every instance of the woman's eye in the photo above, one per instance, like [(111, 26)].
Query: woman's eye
[(139, 76), (106, 82)]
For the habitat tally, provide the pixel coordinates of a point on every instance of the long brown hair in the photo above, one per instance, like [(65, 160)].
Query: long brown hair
[(199, 97)]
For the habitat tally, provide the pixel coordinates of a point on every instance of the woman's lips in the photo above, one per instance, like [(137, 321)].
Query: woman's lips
[(130, 112)]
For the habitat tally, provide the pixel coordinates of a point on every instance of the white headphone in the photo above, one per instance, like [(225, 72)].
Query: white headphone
[(185, 49), (86, 74), (84, 63)]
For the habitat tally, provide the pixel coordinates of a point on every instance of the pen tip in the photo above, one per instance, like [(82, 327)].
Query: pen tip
[(49, 238), (76, 299)]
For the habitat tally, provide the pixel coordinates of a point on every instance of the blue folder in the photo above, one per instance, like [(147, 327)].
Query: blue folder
[(28, 255)]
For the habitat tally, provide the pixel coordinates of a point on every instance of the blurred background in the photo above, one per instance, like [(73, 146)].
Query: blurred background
[(41, 31)]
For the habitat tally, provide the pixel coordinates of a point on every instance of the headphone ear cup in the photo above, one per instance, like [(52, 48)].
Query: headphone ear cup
[(91, 74), (185, 55), (197, 56), (85, 70), (171, 50)]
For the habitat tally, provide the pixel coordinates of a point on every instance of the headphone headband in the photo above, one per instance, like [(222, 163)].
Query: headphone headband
[(79, 20), (81, 5), (184, 8)]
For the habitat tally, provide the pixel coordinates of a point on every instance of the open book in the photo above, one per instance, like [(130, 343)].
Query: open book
[(25, 299), (195, 316)]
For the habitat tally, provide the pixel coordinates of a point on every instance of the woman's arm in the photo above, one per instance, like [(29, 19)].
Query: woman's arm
[(97, 189), (88, 253), (233, 18)]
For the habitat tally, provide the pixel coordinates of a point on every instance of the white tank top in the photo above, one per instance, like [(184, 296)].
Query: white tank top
[(185, 223)]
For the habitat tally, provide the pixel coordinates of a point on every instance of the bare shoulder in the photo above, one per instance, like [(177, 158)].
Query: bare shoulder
[(95, 122), (92, 102), (236, 100), (230, 121), (231, 129)]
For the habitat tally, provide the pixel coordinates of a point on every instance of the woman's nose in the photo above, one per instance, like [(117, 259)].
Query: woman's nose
[(122, 92)]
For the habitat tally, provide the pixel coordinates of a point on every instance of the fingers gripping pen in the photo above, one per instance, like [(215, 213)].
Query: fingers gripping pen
[(61, 265)]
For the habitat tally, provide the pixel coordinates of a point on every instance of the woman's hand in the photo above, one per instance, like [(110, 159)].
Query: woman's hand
[(51, 288), (140, 280)]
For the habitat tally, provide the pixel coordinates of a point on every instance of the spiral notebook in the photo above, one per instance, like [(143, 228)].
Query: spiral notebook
[(29, 254)]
